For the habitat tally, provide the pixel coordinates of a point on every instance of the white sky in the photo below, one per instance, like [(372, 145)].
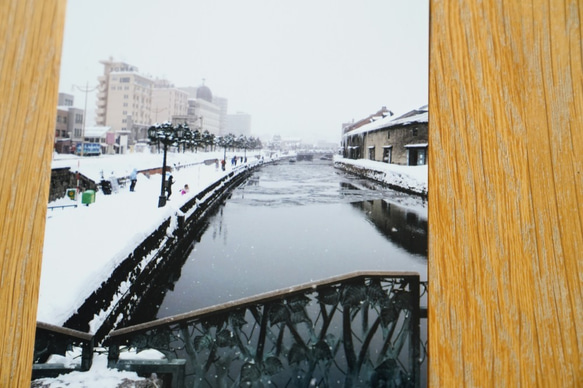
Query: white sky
[(300, 68)]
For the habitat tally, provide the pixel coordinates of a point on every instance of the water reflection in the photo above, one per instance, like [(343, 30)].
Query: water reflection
[(402, 226), (288, 225)]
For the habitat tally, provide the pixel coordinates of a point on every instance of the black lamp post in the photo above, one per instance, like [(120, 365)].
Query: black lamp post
[(168, 136)]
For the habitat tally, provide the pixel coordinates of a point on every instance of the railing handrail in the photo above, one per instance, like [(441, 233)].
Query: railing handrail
[(258, 298), (65, 331)]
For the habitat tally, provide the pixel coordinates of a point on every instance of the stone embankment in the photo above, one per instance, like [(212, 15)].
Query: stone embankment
[(408, 179)]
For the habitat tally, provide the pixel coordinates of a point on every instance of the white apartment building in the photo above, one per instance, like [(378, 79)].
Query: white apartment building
[(130, 102), (223, 105), (124, 101), (238, 124), (202, 113), (209, 116), (167, 102)]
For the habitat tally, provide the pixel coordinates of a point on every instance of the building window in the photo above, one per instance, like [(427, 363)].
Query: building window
[(422, 157), (387, 155), (371, 153), (124, 79), (415, 131), (78, 118), (389, 134)]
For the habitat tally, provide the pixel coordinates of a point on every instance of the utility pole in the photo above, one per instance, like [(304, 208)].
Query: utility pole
[(87, 89)]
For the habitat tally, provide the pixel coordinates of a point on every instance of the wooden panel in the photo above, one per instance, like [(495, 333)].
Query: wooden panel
[(30, 54), (506, 193)]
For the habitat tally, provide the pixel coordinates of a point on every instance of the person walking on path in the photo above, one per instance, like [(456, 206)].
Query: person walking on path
[(133, 179), (169, 184)]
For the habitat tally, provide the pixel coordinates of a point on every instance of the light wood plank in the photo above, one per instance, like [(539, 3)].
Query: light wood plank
[(506, 193), (30, 54)]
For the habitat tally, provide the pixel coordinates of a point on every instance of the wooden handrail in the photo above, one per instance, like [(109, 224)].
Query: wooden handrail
[(259, 298)]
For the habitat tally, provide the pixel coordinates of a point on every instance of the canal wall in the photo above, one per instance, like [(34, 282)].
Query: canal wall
[(408, 179), (117, 298)]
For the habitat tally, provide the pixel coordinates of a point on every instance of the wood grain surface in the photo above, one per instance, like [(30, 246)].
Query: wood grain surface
[(31, 34), (506, 193)]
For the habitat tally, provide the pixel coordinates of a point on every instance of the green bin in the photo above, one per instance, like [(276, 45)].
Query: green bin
[(88, 197)]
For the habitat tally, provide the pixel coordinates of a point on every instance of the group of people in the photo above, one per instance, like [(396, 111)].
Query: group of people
[(169, 182), (233, 162), (167, 186)]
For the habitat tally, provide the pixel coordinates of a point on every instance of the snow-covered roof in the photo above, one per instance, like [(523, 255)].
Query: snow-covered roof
[(96, 131), (415, 116)]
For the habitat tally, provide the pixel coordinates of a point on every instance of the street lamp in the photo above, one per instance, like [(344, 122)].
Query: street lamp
[(167, 135)]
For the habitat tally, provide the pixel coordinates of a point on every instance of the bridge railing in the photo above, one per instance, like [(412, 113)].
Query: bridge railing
[(361, 329), (51, 340)]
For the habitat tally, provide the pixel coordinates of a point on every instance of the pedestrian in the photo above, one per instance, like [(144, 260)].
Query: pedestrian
[(114, 182), (169, 184), (223, 163), (133, 179), (184, 190), (216, 164)]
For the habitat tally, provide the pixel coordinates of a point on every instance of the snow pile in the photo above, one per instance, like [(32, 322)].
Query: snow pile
[(99, 375), (411, 179)]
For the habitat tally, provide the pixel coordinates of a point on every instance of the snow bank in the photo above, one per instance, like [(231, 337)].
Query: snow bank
[(411, 179)]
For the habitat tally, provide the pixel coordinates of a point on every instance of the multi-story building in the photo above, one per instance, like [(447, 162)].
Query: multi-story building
[(69, 125), (62, 139), (66, 99), (238, 124), (124, 101), (167, 101), (202, 113), (223, 105)]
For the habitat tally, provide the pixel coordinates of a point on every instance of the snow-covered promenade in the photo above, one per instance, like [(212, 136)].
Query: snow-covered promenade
[(84, 244)]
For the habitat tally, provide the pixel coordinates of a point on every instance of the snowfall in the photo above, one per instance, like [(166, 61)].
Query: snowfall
[(84, 243)]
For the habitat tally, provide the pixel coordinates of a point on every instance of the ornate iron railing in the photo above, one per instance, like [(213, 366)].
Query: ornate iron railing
[(360, 329)]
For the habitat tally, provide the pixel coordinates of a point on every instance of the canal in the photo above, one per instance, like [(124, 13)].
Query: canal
[(293, 223)]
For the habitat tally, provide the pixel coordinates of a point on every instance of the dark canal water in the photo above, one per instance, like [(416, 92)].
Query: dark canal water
[(293, 223)]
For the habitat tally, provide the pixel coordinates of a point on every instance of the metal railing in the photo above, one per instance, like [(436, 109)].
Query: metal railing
[(50, 340), (360, 329)]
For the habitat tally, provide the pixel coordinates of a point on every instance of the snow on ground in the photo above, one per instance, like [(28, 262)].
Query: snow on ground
[(84, 244), (412, 178), (99, 375)]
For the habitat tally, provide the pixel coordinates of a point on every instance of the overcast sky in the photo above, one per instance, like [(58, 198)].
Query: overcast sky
[(300, 68)]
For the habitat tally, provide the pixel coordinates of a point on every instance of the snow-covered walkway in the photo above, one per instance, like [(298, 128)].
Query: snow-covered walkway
[(84, 244)]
